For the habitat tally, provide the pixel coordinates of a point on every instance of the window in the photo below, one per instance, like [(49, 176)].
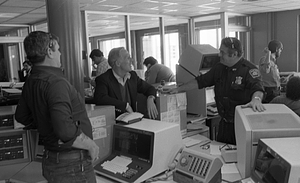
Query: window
[(106, 45), (210, 36), (151, 47)]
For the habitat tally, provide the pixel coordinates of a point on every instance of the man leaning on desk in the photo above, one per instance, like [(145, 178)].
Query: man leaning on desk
[(120, 85), (237, 82)]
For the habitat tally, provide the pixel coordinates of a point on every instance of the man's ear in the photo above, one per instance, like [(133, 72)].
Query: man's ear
[(234, 54), (118, 63), (49, 53)]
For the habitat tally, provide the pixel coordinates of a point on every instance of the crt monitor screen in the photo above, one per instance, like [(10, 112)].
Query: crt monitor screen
[(209, 61), (268, 167), (133, 143)]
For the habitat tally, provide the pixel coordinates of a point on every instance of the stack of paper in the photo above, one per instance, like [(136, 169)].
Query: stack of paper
[(117, 165)]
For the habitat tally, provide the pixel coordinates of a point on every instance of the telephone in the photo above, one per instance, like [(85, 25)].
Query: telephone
[(130, 117), (195, 166)]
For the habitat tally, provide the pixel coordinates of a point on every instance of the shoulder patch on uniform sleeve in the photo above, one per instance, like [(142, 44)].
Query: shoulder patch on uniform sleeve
[(254, 73)]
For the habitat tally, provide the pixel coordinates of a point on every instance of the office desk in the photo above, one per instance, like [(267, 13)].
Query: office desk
[(229, 171), (31, 172), (213, 123)]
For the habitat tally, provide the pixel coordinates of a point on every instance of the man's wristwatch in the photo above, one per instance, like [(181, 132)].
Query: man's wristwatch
[(257, 98), (152, 97)]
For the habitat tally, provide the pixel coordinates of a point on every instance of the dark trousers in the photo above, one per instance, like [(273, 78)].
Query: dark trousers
[(270, 93), (73, 167), (226, 133)]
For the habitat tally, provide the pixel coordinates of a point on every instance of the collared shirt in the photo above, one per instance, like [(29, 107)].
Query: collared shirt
[(121, 80), (102, 67), (158, 72), (54, 106), (269, 72)]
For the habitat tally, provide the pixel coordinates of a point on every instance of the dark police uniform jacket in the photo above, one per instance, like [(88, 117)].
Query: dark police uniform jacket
[(233, 85)]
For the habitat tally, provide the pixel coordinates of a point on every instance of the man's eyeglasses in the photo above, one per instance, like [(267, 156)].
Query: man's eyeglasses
[(51, 43)]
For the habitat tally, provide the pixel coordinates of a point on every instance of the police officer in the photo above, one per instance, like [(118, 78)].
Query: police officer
[(237, 82)]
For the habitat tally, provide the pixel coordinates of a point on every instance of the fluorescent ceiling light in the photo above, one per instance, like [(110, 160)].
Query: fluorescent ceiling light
[(8, 15)]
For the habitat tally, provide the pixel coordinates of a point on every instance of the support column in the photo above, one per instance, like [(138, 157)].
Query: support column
[(191, 31), (224, 25), (162, 39), (64, 22), (127, 34)]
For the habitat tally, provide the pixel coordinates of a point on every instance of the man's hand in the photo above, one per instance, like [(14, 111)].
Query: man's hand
[(266, 50), (12, 85), (255, 104), (172, 90), (84, 142), (94, 152), (129, 108), (151, 107)]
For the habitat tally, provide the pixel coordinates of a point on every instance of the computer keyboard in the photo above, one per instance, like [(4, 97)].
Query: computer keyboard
[(129, 173)]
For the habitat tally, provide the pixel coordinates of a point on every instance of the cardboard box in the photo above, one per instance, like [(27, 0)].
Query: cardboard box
[(102, 119), (172, 108)]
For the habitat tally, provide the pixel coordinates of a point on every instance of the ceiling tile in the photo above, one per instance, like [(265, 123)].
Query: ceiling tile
[(23, 3), (14, 10)]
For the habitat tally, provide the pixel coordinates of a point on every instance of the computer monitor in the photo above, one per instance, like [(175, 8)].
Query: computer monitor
[(208, 61), (277, 160), (196, 60), (141, 150), (276, 121)]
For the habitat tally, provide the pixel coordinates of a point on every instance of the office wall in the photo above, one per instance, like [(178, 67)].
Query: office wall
[(283, 26)]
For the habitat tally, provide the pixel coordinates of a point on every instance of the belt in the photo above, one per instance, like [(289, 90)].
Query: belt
[(272, 87), (227, 120), (66, 155)]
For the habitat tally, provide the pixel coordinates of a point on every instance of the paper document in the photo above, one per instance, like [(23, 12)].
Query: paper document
[(194, 140), (12, 91), (5, 84), (214, 149), (228, 168), (188, 142), (117, 165)]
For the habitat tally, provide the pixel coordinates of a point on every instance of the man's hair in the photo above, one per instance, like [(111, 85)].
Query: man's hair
[(293, 88), (233, 44), (27, 62), (36, 45), (150, 60), (274, 45), (114, 55), (97, 53)]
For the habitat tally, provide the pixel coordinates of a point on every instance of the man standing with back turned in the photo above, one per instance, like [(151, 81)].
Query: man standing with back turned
[(269, 70), (51, 104)]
